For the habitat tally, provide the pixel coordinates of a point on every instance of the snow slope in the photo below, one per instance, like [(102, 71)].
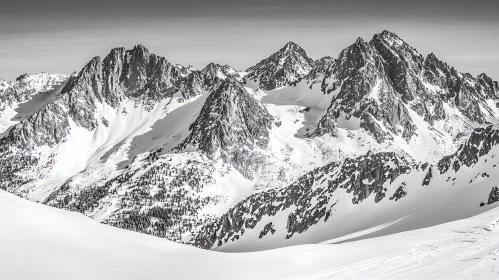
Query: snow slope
[(142, 144), (372, 195), (463, 249), (26, 95), (39, 242)]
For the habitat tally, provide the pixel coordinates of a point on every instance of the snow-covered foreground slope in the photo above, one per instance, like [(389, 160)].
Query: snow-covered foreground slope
[(463, 249), (39, 242)]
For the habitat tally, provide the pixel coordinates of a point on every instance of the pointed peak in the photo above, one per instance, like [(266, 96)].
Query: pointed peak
[(291, 49), (211, 67), (22, 77), (117, 50), (387, 39), (94, 61), (91, 65), (485, 77), (217, 70), (291, 46), (360, 41), (115, 54), (388, 34), (283, 67), (431, 56), (359, 46), (140, 49)]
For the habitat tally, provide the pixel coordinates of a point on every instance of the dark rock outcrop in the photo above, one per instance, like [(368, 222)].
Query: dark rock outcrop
[(282, 68), (232, 126)]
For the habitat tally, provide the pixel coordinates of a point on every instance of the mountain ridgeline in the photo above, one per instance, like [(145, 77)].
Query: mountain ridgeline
[(290, 151)]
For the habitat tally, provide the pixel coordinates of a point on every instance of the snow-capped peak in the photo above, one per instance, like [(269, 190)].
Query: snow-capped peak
[(282, 68), (389, 34), (213, 70), (292, 47)]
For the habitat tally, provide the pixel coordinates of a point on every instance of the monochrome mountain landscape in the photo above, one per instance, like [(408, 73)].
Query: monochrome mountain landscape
[(377, 143)]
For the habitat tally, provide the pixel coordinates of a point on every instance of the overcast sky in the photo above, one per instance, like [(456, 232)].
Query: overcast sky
[(63, 35)]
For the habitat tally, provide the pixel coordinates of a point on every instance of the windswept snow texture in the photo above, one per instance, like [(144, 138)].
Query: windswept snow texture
[(464, 249), (134, 141), (39, 242)]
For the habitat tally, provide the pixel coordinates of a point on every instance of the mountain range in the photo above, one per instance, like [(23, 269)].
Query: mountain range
[(294, 150)]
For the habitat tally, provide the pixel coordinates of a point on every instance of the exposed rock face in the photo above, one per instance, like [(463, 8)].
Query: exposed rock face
[(25, 86), (121, 75), (154, 139), (382, 80), (282, 68), (493, 196), (311, 199), (48, 126), (398, 194), (479, 144), (124, 74), (366, 94), (269, 228), (215, 70), (232, 126), (427, 178), (311, 195), (21, 98)]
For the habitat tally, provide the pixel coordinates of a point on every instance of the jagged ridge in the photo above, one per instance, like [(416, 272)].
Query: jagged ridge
[(312, 199)]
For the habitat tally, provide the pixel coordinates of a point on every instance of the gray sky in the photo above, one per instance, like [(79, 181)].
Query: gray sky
[(63, 35)]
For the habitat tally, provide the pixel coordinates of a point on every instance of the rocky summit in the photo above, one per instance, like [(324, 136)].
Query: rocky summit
[(375, 139)]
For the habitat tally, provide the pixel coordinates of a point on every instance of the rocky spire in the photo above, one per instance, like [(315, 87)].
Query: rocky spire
[(285, 67), (231, 126)]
